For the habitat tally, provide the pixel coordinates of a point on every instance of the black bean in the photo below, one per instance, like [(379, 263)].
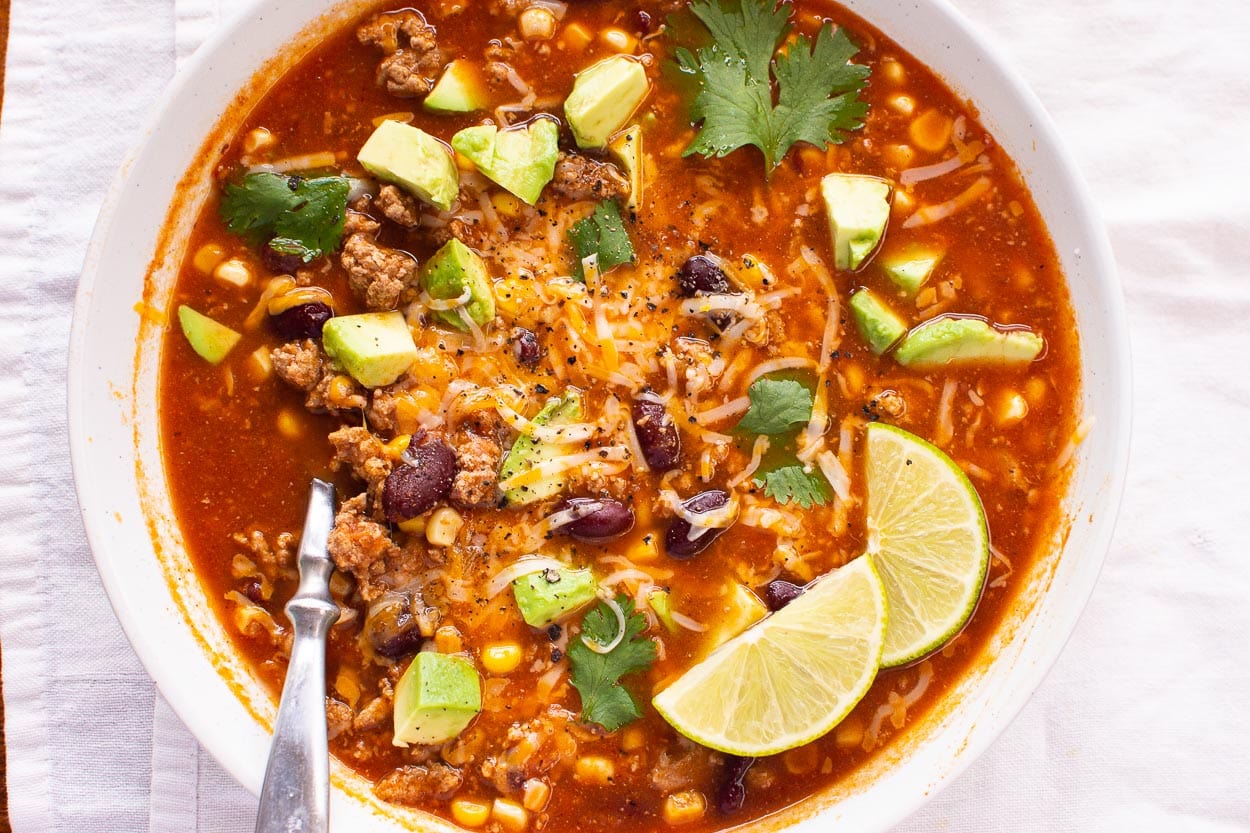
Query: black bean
[(611, 519), (420, 482), (525, 347), (732, 791), (780, 593), (657, 434), (643, 22), (677, 540), (276, 261), (252, 590), (303, 321), (392, 629), (701, 274)]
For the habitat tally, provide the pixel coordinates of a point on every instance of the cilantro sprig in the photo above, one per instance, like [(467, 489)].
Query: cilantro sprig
[(602, 234), (794, 484), (597, 676), (294, 215), (777, 405), (751, 94)]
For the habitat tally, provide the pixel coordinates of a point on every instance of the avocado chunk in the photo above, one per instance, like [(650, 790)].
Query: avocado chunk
[(859, 209), (519, 159), (448, 273), (528, 452), (435, 699), (211, 340), (414, 160), (877, 323), (458, 90), (626, 148), (909, 268), (661, 603), (966, 340), (374, 347), (604, 96), (549, 595)]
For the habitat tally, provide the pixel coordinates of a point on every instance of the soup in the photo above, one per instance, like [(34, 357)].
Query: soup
[(695, 380)]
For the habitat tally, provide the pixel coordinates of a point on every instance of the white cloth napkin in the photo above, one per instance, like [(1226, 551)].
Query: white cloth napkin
[(1143, 725)]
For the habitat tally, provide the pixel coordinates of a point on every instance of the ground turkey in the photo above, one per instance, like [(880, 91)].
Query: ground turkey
[(410, 48), (583, 178), (362, 547), (415, 785), (377, 275)]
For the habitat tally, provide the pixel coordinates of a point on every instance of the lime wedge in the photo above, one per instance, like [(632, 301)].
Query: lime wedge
[(928, 538), (791, 677)]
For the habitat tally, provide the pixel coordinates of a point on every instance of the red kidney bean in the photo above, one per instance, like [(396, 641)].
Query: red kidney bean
[(733, 792), (701, 274), (657, 434), (643, 22), (303, 321), (780, 593), (607, 519), (677, 540), (424, 479), (525, 347), (276, 261), (392, 629)]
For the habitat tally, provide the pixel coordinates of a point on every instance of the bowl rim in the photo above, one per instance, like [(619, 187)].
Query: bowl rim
[(1043, 657)]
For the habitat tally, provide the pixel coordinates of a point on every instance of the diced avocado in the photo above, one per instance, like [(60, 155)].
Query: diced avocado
[(877, 323), (436, 698), (549, 595), (458, 90), (519, 159), (740, 610), (413, 160), (528, 452), (604, 96), (627, 149), (374, 347), (211, 340), (448, 272), (858, 208), (910, 267), (966, 340), (661, 602)]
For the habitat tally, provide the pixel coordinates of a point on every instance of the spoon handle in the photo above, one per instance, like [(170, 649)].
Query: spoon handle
[(296, 795)]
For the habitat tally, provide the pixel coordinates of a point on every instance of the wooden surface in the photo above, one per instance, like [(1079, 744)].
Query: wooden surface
[(4, 795)]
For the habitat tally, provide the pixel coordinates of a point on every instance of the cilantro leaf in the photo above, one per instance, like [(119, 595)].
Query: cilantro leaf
[(602, 234), (776, 404), (597, 676), (794, 484), (296, 216), (817, 87)]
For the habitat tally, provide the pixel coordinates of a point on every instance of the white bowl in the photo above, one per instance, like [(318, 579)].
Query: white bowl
[(115, 354)]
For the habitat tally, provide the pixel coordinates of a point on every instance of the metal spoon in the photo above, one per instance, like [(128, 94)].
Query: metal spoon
[(296, 795)]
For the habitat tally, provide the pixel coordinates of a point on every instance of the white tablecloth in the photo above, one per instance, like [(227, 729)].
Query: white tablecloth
[(1143, 725)]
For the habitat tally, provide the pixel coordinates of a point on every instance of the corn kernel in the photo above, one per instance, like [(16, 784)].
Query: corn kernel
[(755, 273), (645, 549), (233, 272), (447, 640), (415, 526), (258, 139), (1035, 390), (633, 739), (577, 36), (464, 163), (510, 815), (501, 658), (396, 447), (443, 527), (595, 769), (900, 156), (684, 807), (801, 760), (290, 425), (618, 39), (468, 812), (506, 204), (339, 391), (537, 23), (849, 734), (535, 794), (854, 375), (207, 258), (410, 406), (1010, 409), (259, 365), (900, 103), (904, 202), (347, 684), (892, 71), (930, 131)]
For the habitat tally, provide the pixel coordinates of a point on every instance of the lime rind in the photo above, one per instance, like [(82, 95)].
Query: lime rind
[(790, 678), (930, 540)]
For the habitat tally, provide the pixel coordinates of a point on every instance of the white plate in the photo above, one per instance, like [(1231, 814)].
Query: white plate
[(125, 505)]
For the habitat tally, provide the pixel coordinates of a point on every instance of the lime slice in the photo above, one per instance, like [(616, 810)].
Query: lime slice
[(928, 538), (791, 677)]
